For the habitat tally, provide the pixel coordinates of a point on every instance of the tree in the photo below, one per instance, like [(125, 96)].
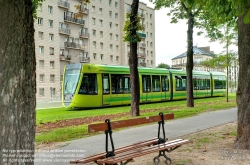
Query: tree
[(132, 25), (184, 9), (17, 81), (162, 65), (222, 12)]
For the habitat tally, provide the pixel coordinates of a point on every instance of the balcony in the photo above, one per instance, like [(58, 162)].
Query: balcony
[(84, 59), (72, 45), (83, 10), (142, 45), (65, 57), (141, 55), (64, 31), (143, 64), (141, 15), (74, 20), (64, 5), (83, 35)]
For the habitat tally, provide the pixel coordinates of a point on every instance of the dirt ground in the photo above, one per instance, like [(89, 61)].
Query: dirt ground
[(209, 147)]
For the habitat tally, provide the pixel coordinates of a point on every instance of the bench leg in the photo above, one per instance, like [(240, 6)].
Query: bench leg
[(168, 161)]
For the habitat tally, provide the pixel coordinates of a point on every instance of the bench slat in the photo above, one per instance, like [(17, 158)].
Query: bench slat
[(126, 123), (119, 150), (143, 151)]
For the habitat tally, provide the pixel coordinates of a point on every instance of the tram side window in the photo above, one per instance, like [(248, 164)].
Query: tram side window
[(105, 84), (196, 83), (156, 83), (219, 84), (164, 83), (117, 83), (127, 88), (146, 83), (89, 84), (202, 84), (181, 83), (207, 83)]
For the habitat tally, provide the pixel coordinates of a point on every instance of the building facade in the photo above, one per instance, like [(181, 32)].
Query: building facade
[(91, 33), (200, 54)]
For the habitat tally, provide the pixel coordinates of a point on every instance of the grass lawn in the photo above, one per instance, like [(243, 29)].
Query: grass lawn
[(73, 132)]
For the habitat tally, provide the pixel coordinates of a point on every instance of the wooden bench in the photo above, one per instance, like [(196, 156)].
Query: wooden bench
[(125, 154)]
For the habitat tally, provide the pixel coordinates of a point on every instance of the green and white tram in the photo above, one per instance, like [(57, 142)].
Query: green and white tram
[(90, 85)]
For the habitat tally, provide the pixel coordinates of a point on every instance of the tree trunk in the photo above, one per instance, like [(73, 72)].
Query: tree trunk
[(17, 82), (133, 64), (243, 90), (190, 64)]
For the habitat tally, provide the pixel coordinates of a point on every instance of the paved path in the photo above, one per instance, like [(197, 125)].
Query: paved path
[(174, 129)]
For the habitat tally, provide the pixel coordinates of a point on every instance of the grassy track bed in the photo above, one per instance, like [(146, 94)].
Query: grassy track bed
[(59, 124)]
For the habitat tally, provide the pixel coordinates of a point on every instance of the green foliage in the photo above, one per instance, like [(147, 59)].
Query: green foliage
[(34, 6), (220, 61), (128, 29), (162, 65)]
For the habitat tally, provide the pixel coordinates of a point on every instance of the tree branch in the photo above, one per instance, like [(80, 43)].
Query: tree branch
[(184, 6)]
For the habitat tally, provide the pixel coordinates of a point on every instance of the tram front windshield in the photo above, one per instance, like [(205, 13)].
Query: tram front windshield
[(71, 80)]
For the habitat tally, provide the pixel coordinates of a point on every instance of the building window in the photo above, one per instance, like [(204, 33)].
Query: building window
[(101, 55), (40, 21), (152, 62), (117, 48), (110, 25), (52, 64), (100, 1), (100, 11), (150, 16), (101, 45), (116, 15), (101, 34), (116, 4), (40, 35), (101, 22), (110, 14), (117, 58), (151, 53), (50, 23), (116, 26), (41, 63), (151, 25), (116, 37), (93, 9), (151, 35), (50, 9), (51, 37), (41, 91), (94, 32), (40, 7), (94, 44), (52, 78), (111, 47), (93, 21), (110, 36), (110, 2), (41, 49), (111, 57), (94, 56), (41, 77), (151, 44), (51, 51)]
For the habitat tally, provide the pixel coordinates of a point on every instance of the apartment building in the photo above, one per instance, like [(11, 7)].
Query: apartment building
[(93, 33)]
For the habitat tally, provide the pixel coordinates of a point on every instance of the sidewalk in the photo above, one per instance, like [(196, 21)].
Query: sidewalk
[(173, 128)]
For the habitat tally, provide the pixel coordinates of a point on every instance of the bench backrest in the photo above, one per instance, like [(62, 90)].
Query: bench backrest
[(126, 123)]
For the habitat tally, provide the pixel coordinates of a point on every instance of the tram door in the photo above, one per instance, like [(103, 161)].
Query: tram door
[(117, 89), (164, 88), (105, 89), (146, 88)]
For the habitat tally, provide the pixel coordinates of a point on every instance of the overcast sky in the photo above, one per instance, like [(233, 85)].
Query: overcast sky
[(170, 39)]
